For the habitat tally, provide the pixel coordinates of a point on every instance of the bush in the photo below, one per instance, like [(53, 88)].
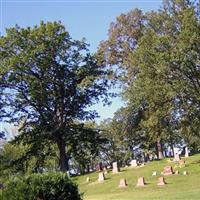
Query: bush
[(49, 186)]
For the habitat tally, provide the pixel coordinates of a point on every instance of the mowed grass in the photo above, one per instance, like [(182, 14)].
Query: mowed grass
[(178, 186)]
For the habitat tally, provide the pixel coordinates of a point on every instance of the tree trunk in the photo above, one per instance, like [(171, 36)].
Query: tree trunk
[(63, 158), (172, 146), (159, 149)]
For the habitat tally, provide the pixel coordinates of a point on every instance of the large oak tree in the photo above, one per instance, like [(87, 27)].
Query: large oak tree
[(48, 81)]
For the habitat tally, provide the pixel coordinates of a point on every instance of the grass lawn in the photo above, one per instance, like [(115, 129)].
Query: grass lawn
[(178, 186)]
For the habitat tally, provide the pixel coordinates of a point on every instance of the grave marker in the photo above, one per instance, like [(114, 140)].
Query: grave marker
[(140, 182), (115, 168), (185, 173), (101, 177), (154, 173), (168, 171), (122, 183), (161, 181), (134, 163), (176, 172), (87, 179)]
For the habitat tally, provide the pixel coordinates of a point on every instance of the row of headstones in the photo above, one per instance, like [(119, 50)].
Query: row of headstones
[(141, 182), (167, 171), (123, 182), (181, 163), (115, 168)]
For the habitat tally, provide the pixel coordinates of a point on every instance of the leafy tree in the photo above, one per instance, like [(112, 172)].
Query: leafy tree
[(85, 146), (123, 134), (161, 70), (48, 82), (168, 58)]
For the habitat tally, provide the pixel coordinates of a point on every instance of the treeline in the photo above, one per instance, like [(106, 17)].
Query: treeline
[(48, 81)]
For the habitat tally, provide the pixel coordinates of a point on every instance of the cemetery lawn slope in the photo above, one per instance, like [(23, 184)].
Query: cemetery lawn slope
[(178, 186)]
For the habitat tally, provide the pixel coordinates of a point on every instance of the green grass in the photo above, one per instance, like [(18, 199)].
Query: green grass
[(178, 186)]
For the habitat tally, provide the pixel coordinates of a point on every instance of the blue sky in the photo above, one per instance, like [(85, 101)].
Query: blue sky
[(82, 18)]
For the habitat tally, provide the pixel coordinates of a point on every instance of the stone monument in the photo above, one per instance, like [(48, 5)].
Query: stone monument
[(186, 152), (168, 171), (185, 173), (101, 177), (115, 168), (122, 183), (87, 179), (176, 172), (154, 173), (140, 182), (161, 181), (133, 163)]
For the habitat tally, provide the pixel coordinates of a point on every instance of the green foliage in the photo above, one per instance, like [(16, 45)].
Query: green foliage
[(158, 53), (48, 81), (16, 159), (51, 186)]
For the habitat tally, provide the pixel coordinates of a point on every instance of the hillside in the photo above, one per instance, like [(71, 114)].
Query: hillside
[(178, 186)]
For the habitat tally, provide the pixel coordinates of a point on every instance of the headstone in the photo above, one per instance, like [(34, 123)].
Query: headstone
[(133, 163), (68, 173), (154, 173), (176, 157), (101, 177), (176, 172), (161, 181), (140, 182), (122, 183), (185, 173), (88, 179), (167, 170), (186, 152), (115, 168)]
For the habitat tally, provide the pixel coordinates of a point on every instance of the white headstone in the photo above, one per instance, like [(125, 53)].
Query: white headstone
[(88, 179), (101, 177), (122, 183), (140, 182), (133, 163), (115, 168), (68, 173), (154, 173), (186, 152), (185, 173)]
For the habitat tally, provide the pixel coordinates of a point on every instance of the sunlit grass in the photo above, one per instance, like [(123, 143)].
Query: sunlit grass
[(178, 186)]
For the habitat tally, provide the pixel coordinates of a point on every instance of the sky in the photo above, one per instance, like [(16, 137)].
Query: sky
[(82, 18)]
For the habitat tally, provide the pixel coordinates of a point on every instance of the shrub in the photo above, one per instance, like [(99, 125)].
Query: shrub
[(49, 186)]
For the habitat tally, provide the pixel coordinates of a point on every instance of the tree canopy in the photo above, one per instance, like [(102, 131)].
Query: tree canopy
[(48, 81)]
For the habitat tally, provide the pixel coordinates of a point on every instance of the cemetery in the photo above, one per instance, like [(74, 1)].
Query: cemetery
[(138, 183), (99, 100)]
